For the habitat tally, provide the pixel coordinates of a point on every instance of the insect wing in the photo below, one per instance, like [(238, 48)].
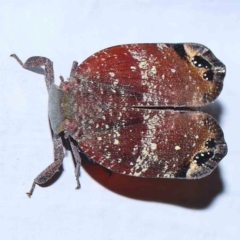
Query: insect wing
[(154, 143), (154, 75)]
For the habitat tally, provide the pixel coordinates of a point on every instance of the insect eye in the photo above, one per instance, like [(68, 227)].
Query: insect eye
[(202, 157)]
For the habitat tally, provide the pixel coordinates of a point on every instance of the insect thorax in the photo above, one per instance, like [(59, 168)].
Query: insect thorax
[(55, 113)]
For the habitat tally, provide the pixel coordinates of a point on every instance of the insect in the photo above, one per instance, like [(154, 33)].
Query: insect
[(134, 109)]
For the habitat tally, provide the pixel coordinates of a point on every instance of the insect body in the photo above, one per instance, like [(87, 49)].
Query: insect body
[(130, 108)]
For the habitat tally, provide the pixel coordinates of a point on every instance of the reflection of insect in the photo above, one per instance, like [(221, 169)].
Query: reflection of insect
[(130, 108)]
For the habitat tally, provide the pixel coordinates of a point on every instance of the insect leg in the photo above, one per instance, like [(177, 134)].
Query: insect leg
[(34, 62), (49, 172), (74, 68), (73, 71), (53, 168), (78, 161)]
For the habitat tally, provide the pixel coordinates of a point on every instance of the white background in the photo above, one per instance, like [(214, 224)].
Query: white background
[(116, 207)]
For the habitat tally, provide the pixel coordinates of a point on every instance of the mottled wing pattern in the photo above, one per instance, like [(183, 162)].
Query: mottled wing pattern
[(154, 75), (111, 88), (154, 143)]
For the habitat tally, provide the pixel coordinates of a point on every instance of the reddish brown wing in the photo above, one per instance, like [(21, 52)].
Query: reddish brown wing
[(153, 143), (146, 142), (154, 75)]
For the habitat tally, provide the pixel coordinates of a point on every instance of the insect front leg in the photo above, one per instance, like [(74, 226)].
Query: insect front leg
[(49, 172), (33, 62)]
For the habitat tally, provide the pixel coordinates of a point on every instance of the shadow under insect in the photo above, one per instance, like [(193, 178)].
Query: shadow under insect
[(197, 194)]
